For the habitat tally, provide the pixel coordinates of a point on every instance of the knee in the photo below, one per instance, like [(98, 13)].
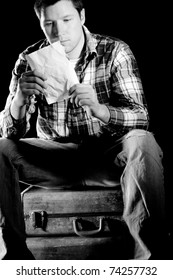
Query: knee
[(6, 145), (144, 141), (139, 134)]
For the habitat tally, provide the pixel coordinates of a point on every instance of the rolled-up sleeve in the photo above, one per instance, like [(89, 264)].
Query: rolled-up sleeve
[(9, 127), (129, 108)]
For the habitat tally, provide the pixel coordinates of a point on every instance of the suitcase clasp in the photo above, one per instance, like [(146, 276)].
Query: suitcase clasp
[(39, 219)]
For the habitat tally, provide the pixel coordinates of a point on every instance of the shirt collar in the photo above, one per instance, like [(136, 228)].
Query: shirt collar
[(91, 42)]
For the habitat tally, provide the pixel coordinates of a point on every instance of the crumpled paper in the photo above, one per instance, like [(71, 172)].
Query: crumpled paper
[(53, 63)]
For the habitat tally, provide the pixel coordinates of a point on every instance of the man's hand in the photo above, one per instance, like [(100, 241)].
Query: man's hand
[(31, 82), (84, 95)]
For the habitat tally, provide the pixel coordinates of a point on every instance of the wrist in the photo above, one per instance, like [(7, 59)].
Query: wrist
[(103, 113), (17, 109), (18, 100)]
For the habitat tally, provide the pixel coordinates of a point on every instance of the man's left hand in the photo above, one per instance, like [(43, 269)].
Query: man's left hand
[(84, 95)]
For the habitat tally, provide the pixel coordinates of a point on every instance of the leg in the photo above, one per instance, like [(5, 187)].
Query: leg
[(32, 161), (11, 214), (143, 190)]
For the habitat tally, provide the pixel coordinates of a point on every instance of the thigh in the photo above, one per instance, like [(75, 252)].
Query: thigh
[(47, 152), (47, 163)]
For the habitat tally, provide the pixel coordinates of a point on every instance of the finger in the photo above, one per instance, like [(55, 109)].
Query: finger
[(75, 88), (81, 89), (30, 92), (35, 73), (84, 102), (74, 92), (29, 89), (81, 99), (36, 88), (34, 79)]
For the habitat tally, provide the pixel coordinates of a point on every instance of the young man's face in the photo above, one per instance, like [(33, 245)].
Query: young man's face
[(62, 22)]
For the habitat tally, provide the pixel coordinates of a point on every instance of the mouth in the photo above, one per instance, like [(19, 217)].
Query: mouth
[(63, 42)]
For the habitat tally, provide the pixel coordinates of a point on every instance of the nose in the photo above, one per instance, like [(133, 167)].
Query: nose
[(58, 29)]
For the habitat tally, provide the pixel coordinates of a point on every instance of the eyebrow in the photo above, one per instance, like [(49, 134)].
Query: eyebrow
[(63, 17)]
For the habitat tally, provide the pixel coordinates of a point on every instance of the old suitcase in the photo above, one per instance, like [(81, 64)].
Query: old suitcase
[(75, 224)]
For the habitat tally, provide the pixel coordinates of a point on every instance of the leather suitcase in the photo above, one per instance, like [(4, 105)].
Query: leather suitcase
[(75, 224)]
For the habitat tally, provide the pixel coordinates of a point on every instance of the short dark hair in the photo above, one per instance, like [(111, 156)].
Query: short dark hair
[(42, 4)]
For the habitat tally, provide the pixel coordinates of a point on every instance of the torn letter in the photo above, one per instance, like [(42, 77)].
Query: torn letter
[(53, 63)]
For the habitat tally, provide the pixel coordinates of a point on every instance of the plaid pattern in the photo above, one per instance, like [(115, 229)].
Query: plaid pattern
[(110, 67)]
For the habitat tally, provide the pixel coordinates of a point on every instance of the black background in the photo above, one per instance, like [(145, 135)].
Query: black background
[(138, 23)]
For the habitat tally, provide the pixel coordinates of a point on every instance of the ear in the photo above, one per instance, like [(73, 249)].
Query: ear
[(41, 22), (41, 25), (82, 16)]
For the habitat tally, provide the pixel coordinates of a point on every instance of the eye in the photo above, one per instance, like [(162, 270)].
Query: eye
[(48, 23), (67, 19)]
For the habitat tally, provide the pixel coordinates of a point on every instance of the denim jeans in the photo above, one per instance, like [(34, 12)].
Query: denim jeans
[(136, 157)]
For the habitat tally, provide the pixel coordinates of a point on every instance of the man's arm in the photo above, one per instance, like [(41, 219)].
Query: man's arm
[(127, 106), (130, 109), (14, 119)]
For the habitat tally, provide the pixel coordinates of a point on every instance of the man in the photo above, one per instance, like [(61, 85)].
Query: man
[(105, 120)]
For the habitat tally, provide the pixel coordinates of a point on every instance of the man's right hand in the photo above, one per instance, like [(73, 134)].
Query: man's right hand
[(31, 82)]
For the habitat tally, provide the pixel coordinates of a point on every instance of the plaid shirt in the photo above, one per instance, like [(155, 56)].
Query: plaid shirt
[(110, 67)]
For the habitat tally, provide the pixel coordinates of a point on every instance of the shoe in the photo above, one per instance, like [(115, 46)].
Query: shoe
[(21, 253)]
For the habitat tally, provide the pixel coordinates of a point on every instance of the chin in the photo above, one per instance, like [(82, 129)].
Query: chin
[(52, 41)]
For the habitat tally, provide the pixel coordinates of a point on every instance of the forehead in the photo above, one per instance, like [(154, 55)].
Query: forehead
[(58, 10)]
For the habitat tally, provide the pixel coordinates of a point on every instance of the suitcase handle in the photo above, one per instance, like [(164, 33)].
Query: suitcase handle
[(87, 232)]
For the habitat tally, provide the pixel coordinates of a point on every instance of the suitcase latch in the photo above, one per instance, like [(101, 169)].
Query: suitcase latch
[(39, 219)]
